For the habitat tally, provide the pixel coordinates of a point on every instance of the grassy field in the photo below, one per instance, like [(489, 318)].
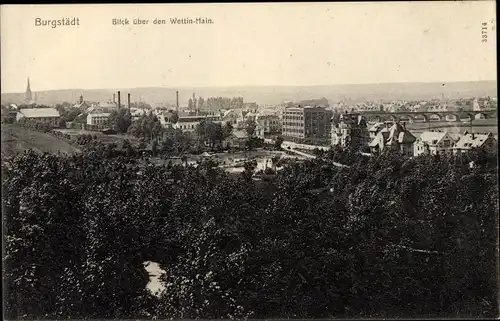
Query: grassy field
[(17, 139)]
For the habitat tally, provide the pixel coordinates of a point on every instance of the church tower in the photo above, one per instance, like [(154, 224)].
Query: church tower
[(28, 97)]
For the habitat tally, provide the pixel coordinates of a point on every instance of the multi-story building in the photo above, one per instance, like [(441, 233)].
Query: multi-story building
[(433, 143), (46, 115), (270, 124), (350, 130), (397, 137), (98, 119), (306, 122)]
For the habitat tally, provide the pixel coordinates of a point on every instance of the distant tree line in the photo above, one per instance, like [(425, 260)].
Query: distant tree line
[(216, 103)]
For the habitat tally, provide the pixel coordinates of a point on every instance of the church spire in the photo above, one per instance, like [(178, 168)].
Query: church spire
[(28, 96)]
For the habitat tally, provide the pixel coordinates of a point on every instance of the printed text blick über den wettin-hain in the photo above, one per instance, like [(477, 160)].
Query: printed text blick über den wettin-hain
[(174, 21), (53, 23)]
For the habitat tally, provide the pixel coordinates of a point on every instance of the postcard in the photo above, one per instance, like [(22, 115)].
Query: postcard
[(250, 160)]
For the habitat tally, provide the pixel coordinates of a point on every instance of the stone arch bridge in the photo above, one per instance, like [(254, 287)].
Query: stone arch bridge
[(428, 116)]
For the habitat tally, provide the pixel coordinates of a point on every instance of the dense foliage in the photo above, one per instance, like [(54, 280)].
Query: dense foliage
[(147, 126), (120, 120), (40, 126), (385, 237)]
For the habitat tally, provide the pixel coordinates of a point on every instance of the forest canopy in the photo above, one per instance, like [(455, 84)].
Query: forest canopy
[(386, 237)]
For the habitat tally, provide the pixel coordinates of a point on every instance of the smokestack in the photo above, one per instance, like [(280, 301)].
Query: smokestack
[(128, 101), (119, 101), (177, 98), (195, 105), (114, 98)]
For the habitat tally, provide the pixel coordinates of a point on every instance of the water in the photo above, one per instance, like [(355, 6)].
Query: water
[(155, 286)]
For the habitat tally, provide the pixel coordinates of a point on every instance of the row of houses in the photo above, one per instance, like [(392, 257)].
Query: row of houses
[(352, 130), (303, 122), (443, 142)]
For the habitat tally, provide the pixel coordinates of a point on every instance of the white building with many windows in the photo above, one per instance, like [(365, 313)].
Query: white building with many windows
[(98, 119)]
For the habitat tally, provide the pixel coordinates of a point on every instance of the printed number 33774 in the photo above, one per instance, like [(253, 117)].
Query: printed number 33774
[(484, 32)]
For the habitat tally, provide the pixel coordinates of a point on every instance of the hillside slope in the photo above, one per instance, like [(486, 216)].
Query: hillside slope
[(16, 139)]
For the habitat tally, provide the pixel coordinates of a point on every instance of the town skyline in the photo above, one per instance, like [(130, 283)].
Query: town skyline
[(250, 45)]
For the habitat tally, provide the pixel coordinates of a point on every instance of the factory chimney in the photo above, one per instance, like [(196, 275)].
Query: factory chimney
[(177, 104), (114, 98), (119, 101), (194, 104), (128, 102)]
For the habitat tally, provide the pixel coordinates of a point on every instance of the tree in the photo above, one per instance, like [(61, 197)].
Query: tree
[(250, 126), (128, 148), (154, 147), (278, 142), (62, 123), (121, 120), (250, 167), (148, 126), (227, 130), (236, 247), (210, 132)]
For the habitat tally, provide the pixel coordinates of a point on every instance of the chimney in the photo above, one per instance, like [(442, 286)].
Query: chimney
[(128, 101), (119, 101), (114, 100), (177, 104)]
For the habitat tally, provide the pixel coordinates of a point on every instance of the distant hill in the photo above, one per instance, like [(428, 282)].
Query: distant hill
[(274, 94)]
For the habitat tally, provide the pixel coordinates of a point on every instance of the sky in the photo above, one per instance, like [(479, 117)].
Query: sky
[(247, 45)]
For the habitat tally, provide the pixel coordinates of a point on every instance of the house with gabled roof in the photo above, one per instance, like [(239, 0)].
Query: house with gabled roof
[(397, 137), (433, 143), (47, 115), (469, 141)]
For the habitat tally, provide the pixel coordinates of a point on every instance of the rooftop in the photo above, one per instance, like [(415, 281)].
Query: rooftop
[(472, 140), (432, 137), (99, 115), (39, 112)]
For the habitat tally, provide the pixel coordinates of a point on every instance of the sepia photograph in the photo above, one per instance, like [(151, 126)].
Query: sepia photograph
[(323, 160)]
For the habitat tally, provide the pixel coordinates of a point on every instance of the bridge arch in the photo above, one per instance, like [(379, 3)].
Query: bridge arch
[(420, 118), (406, 118), (480, 116), (435, 117), (452, 117)]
